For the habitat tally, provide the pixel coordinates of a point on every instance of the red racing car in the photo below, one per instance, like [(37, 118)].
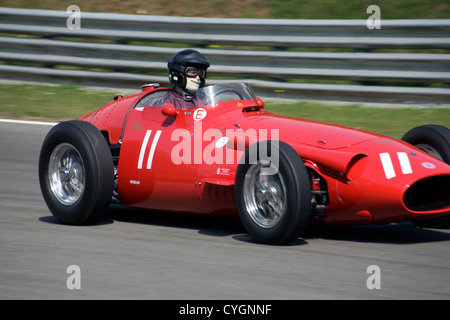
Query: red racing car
[(229, 156)]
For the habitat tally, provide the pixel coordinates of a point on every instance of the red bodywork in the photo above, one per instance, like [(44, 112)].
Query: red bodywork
[(366, 175)]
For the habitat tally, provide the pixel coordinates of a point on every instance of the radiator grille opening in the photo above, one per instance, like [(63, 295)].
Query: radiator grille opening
[(429, 194)]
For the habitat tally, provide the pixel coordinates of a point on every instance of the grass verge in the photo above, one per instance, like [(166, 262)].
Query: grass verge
[(31, 101), (278, 9)]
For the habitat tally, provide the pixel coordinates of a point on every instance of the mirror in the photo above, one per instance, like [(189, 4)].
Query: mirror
[(260, 103), (169, 110)]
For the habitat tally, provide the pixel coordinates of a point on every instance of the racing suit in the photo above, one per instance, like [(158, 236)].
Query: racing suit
[(181, 100)]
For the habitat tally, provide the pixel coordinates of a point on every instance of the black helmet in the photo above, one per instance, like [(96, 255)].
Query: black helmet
[(183, 59)]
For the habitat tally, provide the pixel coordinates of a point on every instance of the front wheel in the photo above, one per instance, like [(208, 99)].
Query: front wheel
[(273, 193), (76, 172), (435, 140)]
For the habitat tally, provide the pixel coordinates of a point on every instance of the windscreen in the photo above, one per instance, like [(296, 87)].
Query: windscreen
[(210, 95), (225, 92)]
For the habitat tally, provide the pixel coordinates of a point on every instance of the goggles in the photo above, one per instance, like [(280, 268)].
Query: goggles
[(192, 72)]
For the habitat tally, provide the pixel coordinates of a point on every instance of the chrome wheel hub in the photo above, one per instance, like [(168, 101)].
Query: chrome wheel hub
[(264, 195), (66, 174), (430, 150)]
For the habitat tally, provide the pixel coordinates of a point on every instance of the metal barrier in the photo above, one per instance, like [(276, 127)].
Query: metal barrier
[(404, 61)]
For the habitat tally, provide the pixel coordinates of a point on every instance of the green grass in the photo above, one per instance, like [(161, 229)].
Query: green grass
[(394, 122), (278, 9), (356, 9), (49, 102), (71, 102), (25, 101)]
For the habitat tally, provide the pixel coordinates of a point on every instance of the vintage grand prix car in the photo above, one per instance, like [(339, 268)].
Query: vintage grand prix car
[(230, 157)]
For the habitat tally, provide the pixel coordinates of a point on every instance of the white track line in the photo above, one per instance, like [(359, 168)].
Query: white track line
[(42, 123)]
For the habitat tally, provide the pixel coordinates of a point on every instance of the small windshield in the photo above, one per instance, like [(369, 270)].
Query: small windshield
[(225, 92), (204, 96)]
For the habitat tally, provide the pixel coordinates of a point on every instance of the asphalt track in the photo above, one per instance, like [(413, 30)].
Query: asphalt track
[(134, 254)]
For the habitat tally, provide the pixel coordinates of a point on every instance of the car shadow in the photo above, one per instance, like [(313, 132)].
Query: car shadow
[(219, 226), (393, 233), (224, 226), (53, 220), (215, 226)]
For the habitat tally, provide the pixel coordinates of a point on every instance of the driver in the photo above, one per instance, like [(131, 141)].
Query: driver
[(187, 73)]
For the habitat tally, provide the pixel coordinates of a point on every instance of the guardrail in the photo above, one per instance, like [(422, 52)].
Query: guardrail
[(404, 61)]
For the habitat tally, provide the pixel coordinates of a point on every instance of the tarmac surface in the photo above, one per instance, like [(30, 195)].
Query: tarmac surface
[(137, 254)]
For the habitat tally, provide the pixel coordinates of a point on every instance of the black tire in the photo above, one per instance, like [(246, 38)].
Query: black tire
[(76, 172), (435, 140), (287, 192), (431, 138)]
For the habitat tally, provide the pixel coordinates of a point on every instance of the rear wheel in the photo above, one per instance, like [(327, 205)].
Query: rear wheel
[(273, 193), (435, 140), (76, 172)]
